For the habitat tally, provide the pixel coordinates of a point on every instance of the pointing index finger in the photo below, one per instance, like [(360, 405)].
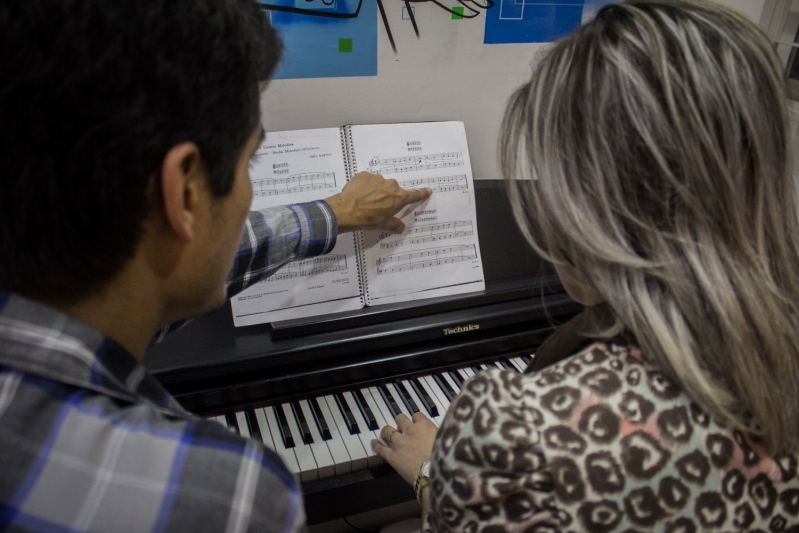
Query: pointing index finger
[(417, 195)]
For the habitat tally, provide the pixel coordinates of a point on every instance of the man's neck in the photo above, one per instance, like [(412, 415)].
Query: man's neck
[(128, 310)]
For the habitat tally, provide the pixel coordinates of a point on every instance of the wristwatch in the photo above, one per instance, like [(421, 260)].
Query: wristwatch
[(422, 480)]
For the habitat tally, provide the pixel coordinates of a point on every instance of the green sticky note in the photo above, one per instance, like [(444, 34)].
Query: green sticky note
[(458, 13), (345, 45)]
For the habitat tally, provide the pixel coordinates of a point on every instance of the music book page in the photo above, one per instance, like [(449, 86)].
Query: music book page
[(438, 254), (289, 168)]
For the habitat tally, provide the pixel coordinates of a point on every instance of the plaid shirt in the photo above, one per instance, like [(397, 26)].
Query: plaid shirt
[(89, 441)]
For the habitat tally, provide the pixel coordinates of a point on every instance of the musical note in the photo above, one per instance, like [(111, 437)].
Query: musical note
[(430, 257), (310, 267), (411, 163), (438, 184), (295, 183), (427, 233)]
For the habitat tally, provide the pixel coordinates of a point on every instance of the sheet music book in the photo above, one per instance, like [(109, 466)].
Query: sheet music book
[(438, 254)]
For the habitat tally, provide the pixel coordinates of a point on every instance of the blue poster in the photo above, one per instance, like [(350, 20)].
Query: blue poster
[(536, 21), (325, 38)]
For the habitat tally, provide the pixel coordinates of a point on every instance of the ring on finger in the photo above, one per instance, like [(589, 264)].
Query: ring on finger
[(391, 435)]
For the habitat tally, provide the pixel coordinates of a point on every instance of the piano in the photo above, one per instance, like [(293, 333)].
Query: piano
[(318, 390)]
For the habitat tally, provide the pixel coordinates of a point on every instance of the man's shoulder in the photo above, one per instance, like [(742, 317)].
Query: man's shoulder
[(67, 440)]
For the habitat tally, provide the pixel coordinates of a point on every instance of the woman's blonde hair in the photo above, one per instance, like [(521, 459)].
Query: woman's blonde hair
[(659, 137)]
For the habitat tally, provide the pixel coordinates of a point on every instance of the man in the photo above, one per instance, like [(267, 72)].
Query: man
[(126, 128)]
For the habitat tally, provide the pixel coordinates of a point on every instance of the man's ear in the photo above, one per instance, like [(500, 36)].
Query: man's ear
[(182, 180)]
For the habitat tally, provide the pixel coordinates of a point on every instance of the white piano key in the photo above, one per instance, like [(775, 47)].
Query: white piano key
[(338, 445), (303, 452), (518, 362), (366, 436), (383, 413), (220, 419), (436, 419), (435, 391), (268, 422), (325, 464), (451, 382), (398, 398), (468, 372), (244, 429)]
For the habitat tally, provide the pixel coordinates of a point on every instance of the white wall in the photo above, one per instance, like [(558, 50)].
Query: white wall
[(448, 74)]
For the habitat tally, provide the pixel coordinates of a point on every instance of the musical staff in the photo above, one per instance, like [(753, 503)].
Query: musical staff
[(310, 267), (296, 183), (430, 257), (427, 233), (411, 163), (438, 184)]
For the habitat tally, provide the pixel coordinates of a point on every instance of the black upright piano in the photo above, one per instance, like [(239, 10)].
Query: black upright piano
[(319, 389)]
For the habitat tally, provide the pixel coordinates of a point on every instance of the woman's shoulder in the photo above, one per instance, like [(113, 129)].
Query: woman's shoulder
[(605, 436)]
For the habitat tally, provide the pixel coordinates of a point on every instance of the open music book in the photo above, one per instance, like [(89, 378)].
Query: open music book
[(438, 253)]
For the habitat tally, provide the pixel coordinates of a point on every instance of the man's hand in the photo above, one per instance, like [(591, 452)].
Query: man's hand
[(370, 201), (410, 445)]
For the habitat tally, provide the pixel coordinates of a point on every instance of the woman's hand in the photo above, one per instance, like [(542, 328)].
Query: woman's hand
[(408, 446)]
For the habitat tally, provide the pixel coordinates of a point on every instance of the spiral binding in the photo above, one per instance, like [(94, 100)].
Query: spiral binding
[(351, 165)]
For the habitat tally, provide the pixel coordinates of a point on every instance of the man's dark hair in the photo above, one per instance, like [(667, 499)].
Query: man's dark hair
[(93, 94)]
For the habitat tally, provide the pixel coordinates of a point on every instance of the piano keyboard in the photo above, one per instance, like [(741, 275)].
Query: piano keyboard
[(331, 434)]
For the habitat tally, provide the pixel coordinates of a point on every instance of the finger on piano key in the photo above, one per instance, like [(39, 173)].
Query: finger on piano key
[(232, 423), (287, 454), (303, 451), (382, 414), (389, 401), (346, 414), (444, 386), (319, 419), (283, 426), (325, 465), (405, 396), (435, 391), (424, 398), (241, 420), (302, 423), (368, 415), (352, 443), (252, 423), (366, 435)]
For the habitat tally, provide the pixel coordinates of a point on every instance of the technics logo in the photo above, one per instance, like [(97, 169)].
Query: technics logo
[(464, 329)]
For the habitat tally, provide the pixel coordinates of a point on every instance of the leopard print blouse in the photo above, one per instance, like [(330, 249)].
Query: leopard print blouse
[(600, 442)]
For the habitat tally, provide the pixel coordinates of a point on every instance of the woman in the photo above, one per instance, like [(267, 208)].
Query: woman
[(658, 138)]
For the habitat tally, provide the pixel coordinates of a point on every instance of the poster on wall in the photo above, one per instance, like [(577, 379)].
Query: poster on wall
[(338, 38)]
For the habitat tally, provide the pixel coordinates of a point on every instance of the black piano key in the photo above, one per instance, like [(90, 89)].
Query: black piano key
[(389, 400), (232, 423), (527, 359), (406, 398), (457, 378), (444, 386), (283, 427), (347, 414), (299, 417), (477, 368), (490, 365), (371, 421), (255, 429), (428, 402), (319, 418)]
